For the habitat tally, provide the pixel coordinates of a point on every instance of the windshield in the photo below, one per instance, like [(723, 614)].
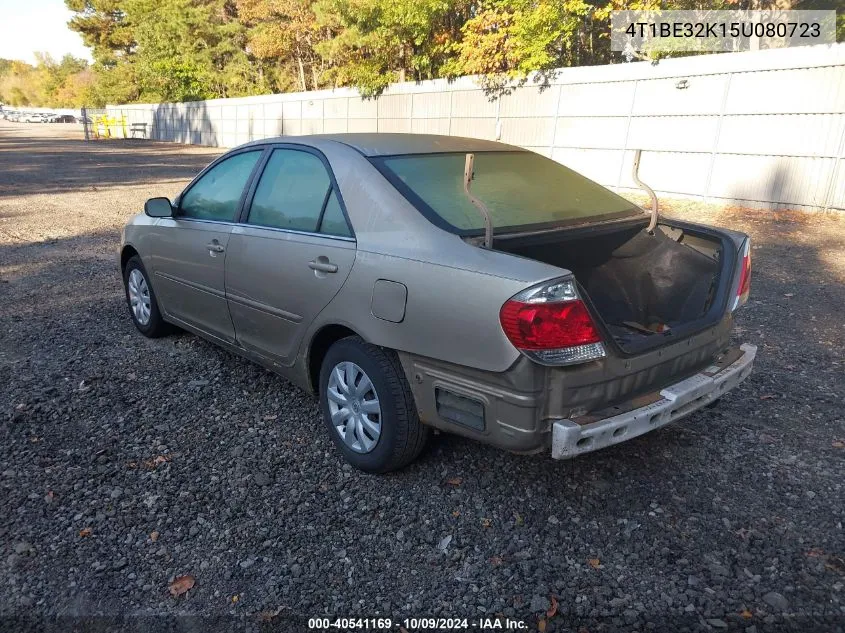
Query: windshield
[(519, 188)]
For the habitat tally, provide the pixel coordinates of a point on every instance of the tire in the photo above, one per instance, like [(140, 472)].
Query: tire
[(155, 326), (402, 436)]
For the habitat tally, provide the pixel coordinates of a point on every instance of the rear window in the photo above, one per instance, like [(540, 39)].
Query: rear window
[(519, 189)]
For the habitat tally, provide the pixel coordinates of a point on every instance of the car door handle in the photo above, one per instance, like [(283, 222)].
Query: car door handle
[(322, 265), (215, 247)]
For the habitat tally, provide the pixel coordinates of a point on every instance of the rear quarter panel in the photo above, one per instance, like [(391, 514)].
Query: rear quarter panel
[(451, 314), (454, 290)]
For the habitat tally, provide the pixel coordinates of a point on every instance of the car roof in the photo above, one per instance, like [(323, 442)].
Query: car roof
[(391, 144)]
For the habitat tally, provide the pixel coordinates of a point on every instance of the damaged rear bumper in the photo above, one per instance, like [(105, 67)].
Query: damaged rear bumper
[(589, 433)]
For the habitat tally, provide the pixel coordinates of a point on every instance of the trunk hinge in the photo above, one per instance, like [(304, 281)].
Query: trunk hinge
[(485, 212), (648, 190)]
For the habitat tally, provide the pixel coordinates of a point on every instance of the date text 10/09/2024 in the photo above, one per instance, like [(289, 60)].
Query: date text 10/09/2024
[(417, 624)]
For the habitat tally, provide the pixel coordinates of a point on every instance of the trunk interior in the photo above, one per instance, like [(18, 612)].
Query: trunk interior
[(648, 289)]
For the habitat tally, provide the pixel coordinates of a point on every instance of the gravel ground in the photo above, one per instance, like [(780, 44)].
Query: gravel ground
[(128, 462)]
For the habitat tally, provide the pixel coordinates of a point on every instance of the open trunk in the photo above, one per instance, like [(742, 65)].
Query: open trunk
[(647, 289)]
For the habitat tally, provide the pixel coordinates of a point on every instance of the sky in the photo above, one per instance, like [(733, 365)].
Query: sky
[(27, 26)]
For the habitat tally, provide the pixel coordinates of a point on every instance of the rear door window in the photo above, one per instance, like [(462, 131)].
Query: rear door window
[(295, 193), (334, 222)]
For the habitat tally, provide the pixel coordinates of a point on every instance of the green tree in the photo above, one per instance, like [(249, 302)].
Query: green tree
[(377, 42), (283, 34), (17, 97), (116, 83), (166, 50), (16, 82), (507, 39), (104, 28), (176, 50), (54, 75), (189, 49), (49, 83)]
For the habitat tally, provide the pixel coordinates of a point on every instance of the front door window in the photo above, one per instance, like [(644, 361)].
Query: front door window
[(215, 196)]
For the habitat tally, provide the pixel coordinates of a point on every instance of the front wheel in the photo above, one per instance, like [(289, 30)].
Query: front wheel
[(368, 407), (142, 302)]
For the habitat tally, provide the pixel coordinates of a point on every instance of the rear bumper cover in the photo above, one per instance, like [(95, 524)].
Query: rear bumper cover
[(569, 438)]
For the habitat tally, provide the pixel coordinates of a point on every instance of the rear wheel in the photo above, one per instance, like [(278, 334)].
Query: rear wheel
[(141, 300), (368, 408)]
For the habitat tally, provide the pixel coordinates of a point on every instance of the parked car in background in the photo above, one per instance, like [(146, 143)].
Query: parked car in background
[(418, 281), (33, 117), (63, 118)]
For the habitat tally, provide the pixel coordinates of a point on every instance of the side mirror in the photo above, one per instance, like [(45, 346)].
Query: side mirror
[(158, 208)]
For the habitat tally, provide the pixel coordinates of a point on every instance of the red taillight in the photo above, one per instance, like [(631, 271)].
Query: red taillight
[(744, 286), (550, 324), (536, 326)]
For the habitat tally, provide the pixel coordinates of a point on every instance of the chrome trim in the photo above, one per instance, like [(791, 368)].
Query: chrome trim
[(570, 438), (181, 218), (245, 225), (341, 238)]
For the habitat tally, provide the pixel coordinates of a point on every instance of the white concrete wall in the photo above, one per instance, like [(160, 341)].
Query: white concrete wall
[(765, 128)]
